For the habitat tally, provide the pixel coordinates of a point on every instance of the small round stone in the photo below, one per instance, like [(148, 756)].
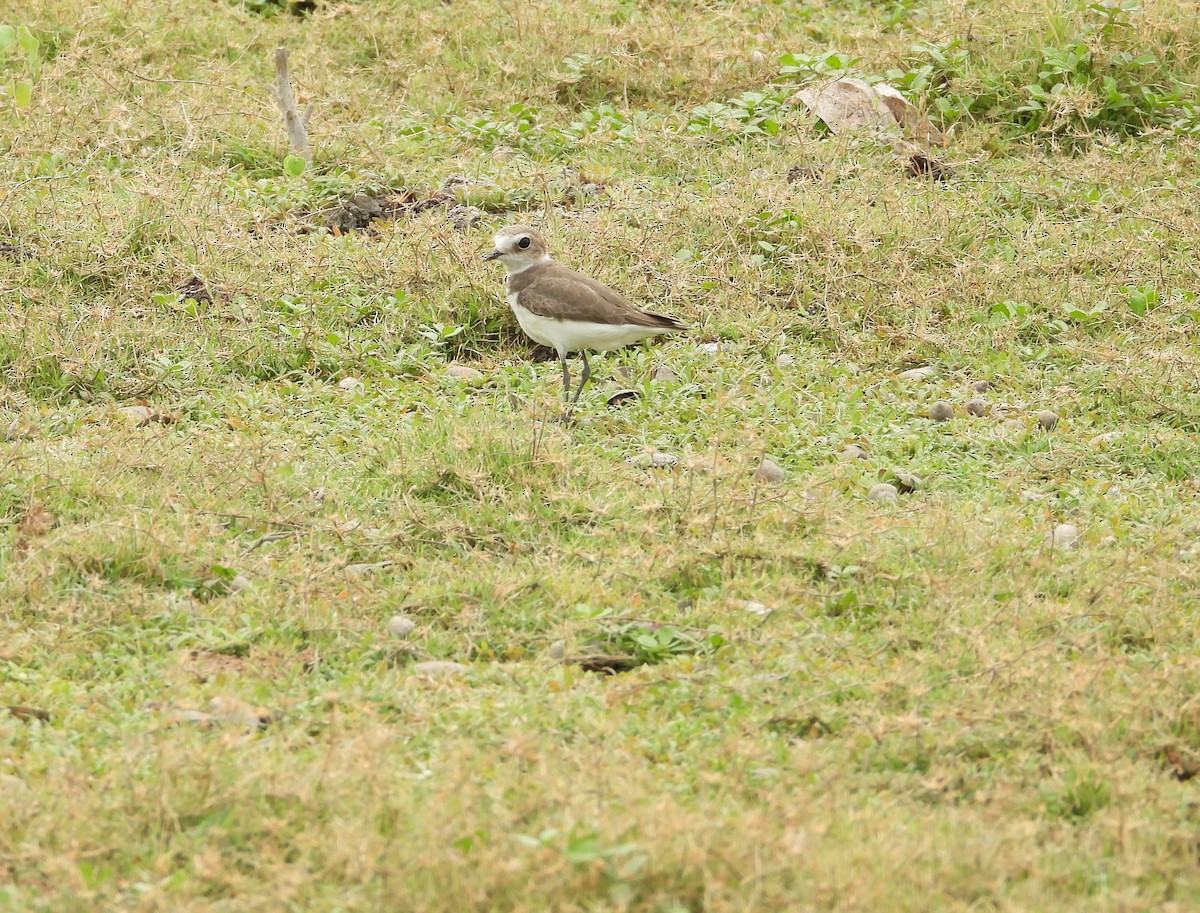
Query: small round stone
[(400, 626), (1065, 535), (1047, 420), (769, 471), (980, 386), (350, 384), (941, 411), (239, 584), (923, 373), (666, 375), (785, 361), (978, 407), (853, 452), (436, 668), (462, 372), (883, 491)]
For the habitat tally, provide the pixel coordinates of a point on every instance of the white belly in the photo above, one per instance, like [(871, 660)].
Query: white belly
[(572, 335)]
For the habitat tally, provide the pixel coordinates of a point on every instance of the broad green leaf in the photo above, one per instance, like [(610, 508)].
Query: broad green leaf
[(8, 35), (30, 45), (23, 92), (294, 165)]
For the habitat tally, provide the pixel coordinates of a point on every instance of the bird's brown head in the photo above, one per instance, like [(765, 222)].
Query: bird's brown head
[(519, 247)]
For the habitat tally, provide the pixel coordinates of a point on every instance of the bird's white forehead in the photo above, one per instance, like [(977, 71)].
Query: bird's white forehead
[(509, 234)]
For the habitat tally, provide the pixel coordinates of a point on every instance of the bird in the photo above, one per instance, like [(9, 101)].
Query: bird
[(566, 310)]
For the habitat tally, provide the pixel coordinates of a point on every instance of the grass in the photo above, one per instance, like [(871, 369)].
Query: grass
[(830, 703)]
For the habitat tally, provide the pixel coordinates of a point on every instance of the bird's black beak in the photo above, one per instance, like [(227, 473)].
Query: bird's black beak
[(494, 255)]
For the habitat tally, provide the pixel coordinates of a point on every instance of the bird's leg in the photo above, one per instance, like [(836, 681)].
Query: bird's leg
[(562, 357), (587, 373), (567, 403)]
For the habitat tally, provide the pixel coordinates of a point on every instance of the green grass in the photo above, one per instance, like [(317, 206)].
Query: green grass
[(830, 703)]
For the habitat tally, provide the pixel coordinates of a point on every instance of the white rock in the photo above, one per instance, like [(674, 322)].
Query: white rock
[(923, 373), (785, 361), (462, 372), (350, 384), (437, 668), (757, 608), (239, 584), (137, 415), (853, 452), (1065, 535), (401, 626), (1106, 438), (656, 460)]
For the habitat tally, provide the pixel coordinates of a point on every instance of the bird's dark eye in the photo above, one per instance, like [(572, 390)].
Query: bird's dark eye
[(523, 243)]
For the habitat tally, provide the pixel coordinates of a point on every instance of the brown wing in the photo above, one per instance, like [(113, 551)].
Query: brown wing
[(562, 294)]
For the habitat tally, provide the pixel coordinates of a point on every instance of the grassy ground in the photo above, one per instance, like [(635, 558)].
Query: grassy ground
[(838, 703)]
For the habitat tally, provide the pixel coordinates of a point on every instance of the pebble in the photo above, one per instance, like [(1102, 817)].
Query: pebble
[(769, 471), (436, 668), (978, 407), (941, 411), (853, 452), (401, 626), (1047, 420), (883, 491), (785, 361), (239, 584), (918, 373), (1106, 438), (757, 608), (980, 386), (710, 348), (462, 372), (557, 650), (350, 384), (656, 460), (1065, 535), (139, 415), (665, 374)]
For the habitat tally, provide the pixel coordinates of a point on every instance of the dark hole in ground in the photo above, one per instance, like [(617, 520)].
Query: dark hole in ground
[(921, 165)]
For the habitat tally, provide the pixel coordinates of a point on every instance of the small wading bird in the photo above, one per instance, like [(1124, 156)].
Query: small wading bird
[(566, 310)]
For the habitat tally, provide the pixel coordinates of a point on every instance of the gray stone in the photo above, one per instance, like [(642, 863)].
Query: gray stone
[(769, 471), (883, 491), (400, 626), (941, 411), (1047, 420)]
